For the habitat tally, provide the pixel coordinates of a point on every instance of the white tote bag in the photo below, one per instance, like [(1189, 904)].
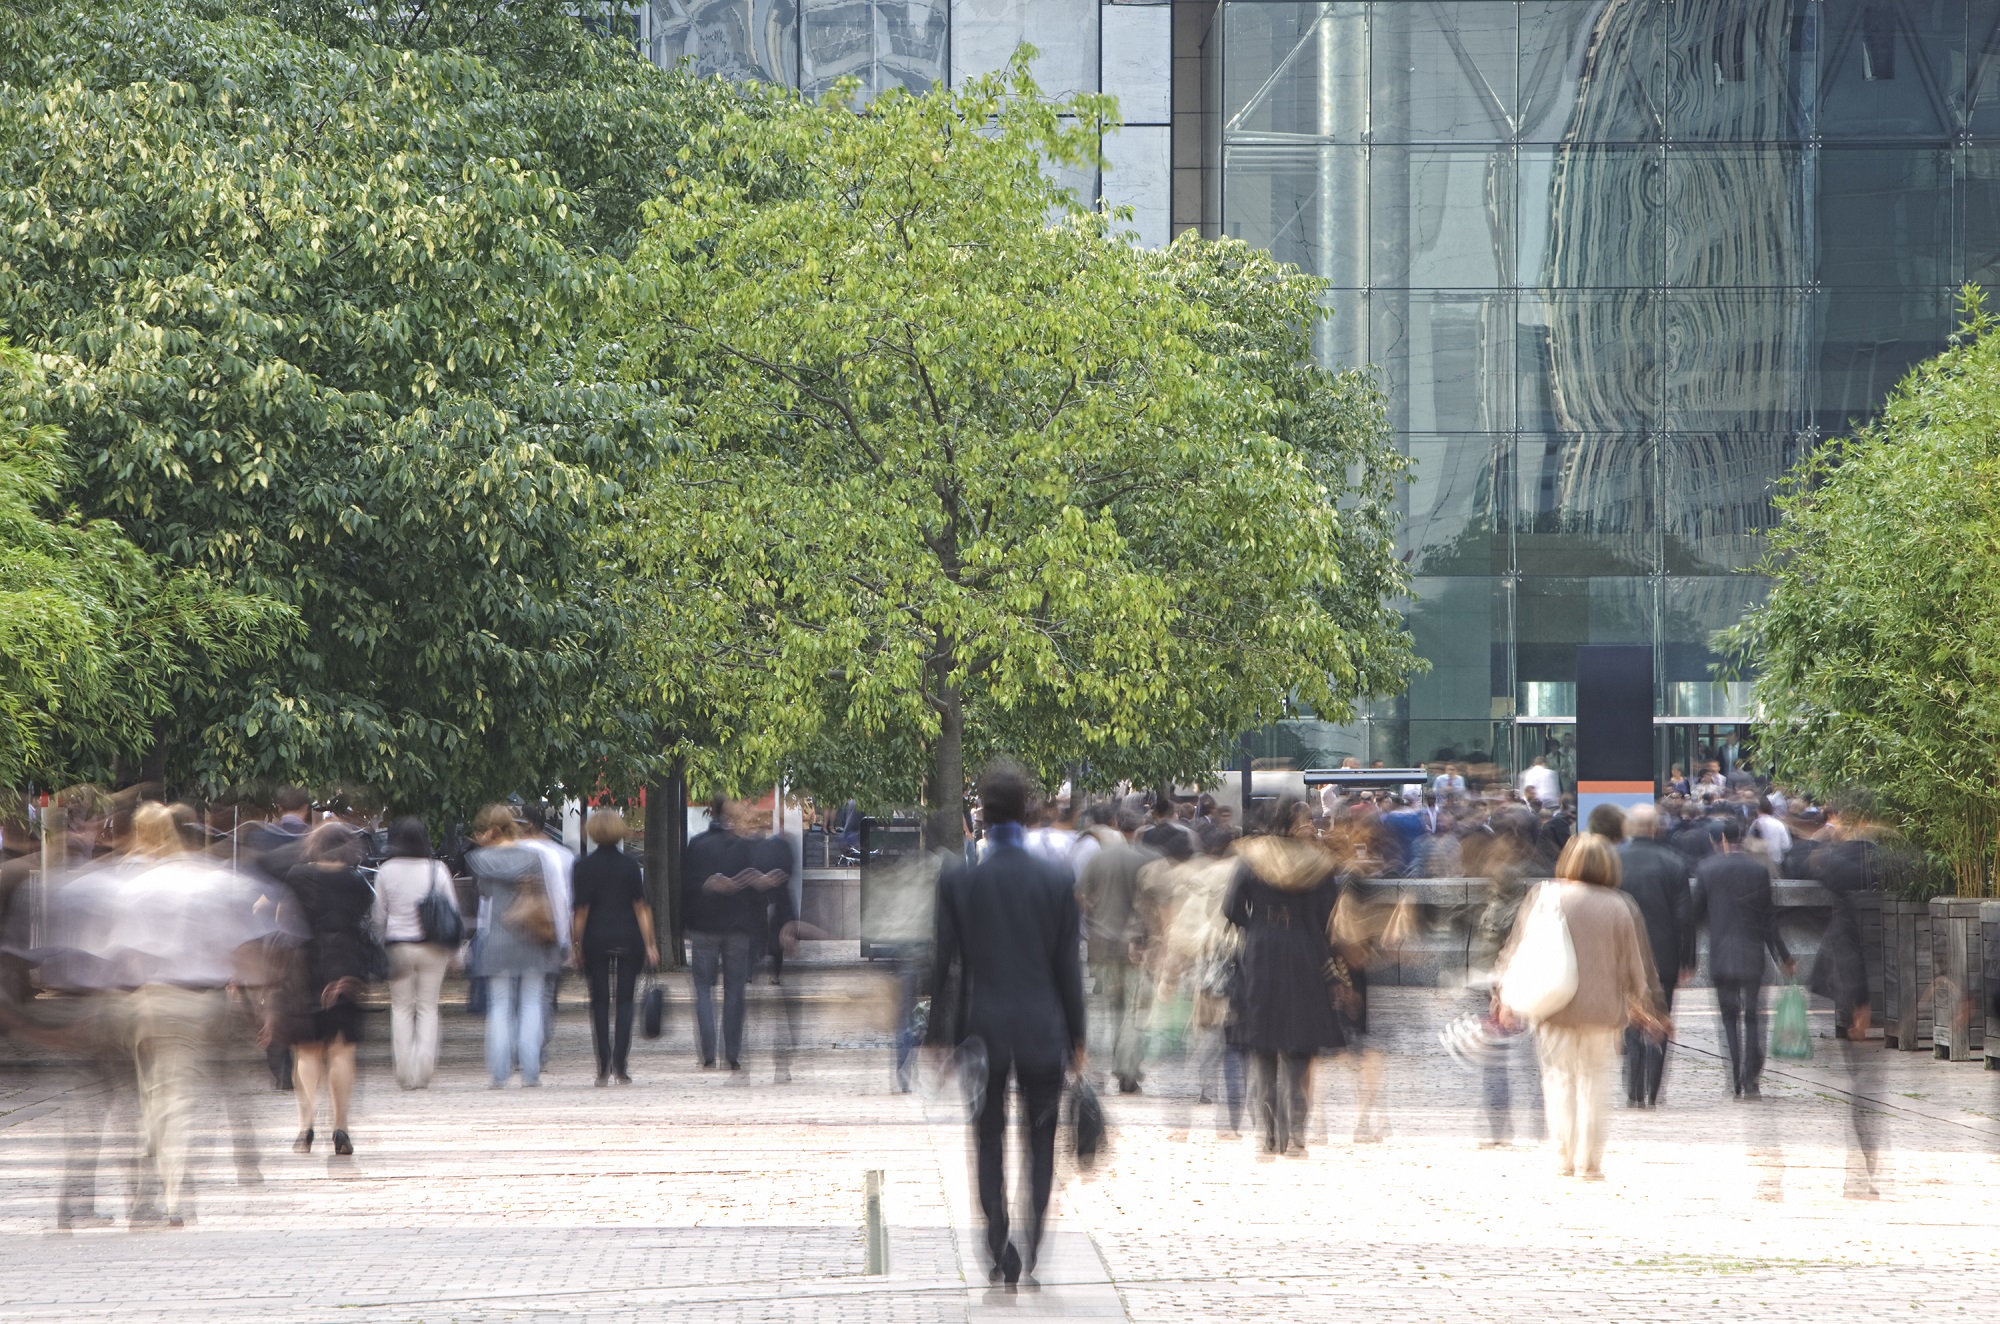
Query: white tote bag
[(1540, 978)]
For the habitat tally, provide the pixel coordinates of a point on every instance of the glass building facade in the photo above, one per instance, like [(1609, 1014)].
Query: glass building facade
[(1619, 263)]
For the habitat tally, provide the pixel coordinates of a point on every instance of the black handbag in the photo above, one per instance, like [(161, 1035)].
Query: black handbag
[(653, 1009), (443, 926), (1086, 1122)]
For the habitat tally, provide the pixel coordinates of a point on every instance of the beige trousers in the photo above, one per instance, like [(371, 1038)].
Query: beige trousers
[(1577, 1067), (416, 978), (172, 1032)]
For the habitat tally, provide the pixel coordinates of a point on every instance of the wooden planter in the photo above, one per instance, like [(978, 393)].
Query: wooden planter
[(1906, 974), (1989, 925), (1958, 961)]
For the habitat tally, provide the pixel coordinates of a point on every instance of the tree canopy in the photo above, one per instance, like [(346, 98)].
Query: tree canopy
[(960, 470), (96, 638), (314, 279), (1878, 651)]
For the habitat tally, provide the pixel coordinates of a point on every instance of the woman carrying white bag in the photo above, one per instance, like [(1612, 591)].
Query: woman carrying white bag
[(1577, 968)]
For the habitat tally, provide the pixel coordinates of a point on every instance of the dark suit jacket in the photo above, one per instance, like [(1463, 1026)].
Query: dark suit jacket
[(1007, 934), (1733, 895), (707, 909), (1655, 876)]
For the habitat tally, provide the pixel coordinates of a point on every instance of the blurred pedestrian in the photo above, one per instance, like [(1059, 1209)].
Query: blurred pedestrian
[(1843, 860), (1108, 896), (1614, 986), (326, 1024), (726, 913), (1282, 901), (410, 876), (1732, 896), (1007, 954), (614, 936), (517, 947), (1655, 876)]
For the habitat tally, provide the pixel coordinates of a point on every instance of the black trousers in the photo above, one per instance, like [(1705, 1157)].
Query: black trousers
[(1742, 1007), (608, 973), (1645, 1062), (1041, 1106)]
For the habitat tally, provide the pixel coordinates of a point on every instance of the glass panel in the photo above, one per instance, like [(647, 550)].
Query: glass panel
[(1868, 339), (1063, 33), (1442, 218), (1736, 362), (1736, 217), (1592, 216), (1695, 609), (741, 40), (1733, 73), (1295, 69), (1306, 204), (1450, 521), (884, 44), (1589, 362), (1341, 341), (1446, 359), (1460, 624), (1718, 498), (1443, 72), (1554, 616), (1591, 70), (1585, 506), (1884, 216), (1468, 742), (1979, 210), (1982, 73), (1892, 68)]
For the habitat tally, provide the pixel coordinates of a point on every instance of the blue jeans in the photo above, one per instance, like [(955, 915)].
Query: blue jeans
[(730, 951), (514, 1026)]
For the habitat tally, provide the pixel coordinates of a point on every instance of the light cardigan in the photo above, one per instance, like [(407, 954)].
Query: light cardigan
[(400, 884), (1614, 965)]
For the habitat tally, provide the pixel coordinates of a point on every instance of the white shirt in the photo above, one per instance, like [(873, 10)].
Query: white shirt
[(1777, 838), (1542, 781)]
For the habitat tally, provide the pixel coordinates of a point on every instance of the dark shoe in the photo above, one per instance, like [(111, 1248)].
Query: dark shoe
[(1128, 1085), (1010, 1266), (602, 1080), (708, 1064), (304, 1144), (735, 1066), (623, 1078), (341, 1144)]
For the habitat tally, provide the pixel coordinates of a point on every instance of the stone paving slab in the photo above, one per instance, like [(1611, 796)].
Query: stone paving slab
[(698, 1195)]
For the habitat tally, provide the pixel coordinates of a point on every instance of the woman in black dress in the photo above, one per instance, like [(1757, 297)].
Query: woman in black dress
[(335, 901), (614, 933), (1282, 899)]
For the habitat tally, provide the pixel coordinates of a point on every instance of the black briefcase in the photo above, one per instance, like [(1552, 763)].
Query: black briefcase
[(653, 1009)]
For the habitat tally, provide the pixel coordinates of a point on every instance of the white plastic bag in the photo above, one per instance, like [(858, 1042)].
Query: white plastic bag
[(1540, 978)]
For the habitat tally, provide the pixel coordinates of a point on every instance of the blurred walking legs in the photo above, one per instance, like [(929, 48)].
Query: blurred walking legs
[(514, 1026), (332, 1064), (1278, 1094), (1123, 992), (1041, 1106), (1576, 1086), (730, 953), (416, 980), (171, 1030)]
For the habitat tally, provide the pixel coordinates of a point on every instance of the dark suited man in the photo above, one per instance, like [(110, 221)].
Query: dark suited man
[(1733, 898), (725, 909), (1007, 932), (1655, 876)]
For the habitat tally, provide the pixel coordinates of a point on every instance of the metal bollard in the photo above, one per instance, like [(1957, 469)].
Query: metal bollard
[(878, 1232)]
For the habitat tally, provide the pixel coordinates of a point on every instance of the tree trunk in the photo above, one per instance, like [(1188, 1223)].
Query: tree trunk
[(666, 833), (948, 763)]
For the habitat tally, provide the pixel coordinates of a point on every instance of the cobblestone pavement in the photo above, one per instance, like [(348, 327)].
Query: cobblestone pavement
[(692, 1195)]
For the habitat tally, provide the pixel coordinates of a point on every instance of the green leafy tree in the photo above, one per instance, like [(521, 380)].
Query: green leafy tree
[(964, 471), (96, 638), (318, 276), (1877, 653)]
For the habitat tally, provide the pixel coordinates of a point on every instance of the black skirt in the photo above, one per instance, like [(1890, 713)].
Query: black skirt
[(343, 1020)]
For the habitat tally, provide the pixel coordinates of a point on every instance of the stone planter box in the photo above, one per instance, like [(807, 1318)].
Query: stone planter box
[(1959, 986), (1907, 956)]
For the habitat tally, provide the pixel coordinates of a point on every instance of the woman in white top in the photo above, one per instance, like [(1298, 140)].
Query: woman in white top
[(416, 967)]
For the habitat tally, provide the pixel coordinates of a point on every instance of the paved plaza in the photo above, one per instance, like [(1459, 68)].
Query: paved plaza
[(692, 1195)]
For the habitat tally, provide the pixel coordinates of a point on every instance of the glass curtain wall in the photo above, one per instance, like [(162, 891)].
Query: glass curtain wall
[(1620, 263), (809, 44)]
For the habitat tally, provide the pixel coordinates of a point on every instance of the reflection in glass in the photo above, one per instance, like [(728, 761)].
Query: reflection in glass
[(1734, 71), (1719, 498), (1884, 216), (1447, 359), (1441, 217), (1892, 68), (884, 45), (1450, 524), (741, 40), (1585, 506), (1443, 71), (1616, 50)]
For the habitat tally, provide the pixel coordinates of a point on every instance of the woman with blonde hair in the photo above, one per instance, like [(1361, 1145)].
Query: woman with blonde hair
[(1580, 1042)]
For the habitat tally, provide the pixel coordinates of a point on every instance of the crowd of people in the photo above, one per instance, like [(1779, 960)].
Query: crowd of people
[(176, 956)]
